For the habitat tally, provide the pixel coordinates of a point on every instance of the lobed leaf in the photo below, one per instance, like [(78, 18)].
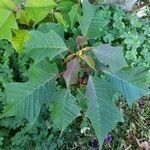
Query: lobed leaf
[(112, 56), (30, 96), (102, 112), (131, 82), (93, 20), (41, 45)]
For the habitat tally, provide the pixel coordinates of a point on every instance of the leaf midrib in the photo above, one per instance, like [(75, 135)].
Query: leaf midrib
[(3, 22), (37, 88)]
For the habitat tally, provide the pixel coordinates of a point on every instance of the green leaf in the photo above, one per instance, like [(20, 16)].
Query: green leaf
[(102, 112), (41, 45), (93, 21), (81, 98), (7, 4), (65, 5), (19, 39), (64, 110), (112, 56), (7, 23), (38, 9), (25, 99), (60, 18), (23, 17), (46, 27), (71, 74), (73, 14), (131, 82)]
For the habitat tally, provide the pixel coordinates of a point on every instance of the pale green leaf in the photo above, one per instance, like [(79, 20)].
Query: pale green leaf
[(7, 4), (7, 23), (112, 56), (64, 110), (19, 38), (60, 19), (38, 9), (102, 112), (23, 17)]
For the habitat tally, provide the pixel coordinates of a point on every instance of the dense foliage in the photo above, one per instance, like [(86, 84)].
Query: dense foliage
[(64, 63)]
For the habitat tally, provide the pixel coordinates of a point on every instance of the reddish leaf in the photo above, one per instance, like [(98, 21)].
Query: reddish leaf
[(80, 41), (71, 74)]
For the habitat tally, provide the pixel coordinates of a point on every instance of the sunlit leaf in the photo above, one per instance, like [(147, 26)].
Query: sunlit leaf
[(38, 9), (7, 23), (19, 39)]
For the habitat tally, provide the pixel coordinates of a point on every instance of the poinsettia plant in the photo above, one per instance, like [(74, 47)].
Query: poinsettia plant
[(106, 72)]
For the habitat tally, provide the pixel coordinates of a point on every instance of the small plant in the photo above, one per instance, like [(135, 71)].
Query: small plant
[(54, 67)]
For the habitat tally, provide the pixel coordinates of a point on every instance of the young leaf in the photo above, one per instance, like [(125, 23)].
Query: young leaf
[(89, 61), (112, 56), (131, 82), (19, 39), (25, 99), (38, 9), (71, 74), (60, 19), (43, 45), (23, 17), (93, 20), (7, 23), (7, 4), (102, 112), (64, 110)]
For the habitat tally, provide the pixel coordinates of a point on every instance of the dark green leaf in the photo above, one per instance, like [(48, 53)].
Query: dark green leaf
[(64, 110), (131, 82), (42, 45), (102, 112), (25, 99)]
